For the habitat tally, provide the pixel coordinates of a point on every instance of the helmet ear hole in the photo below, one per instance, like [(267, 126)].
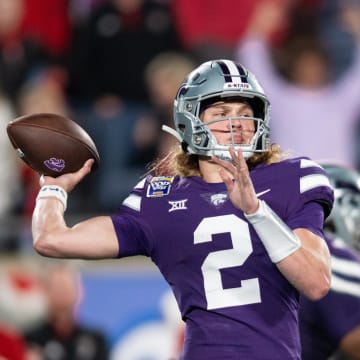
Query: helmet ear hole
[(182, 128), (184, 146)]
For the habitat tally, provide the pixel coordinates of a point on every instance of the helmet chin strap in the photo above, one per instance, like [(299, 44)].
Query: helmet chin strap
[(172, 132), (225, 154)]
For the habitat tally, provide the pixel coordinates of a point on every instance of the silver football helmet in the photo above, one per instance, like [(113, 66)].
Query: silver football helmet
[(211, 82), (344, 220)]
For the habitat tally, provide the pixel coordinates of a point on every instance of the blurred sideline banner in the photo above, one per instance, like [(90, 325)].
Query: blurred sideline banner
[(135, 309)]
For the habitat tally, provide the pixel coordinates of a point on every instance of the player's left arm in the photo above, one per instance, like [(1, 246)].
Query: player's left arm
[(302, 256), (309, 267)]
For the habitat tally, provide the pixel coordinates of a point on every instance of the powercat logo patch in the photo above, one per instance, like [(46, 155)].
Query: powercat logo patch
[(55, 164), (159, 186), (216, 200)]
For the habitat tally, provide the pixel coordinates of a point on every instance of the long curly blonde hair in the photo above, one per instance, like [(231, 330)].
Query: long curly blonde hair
[(178, 162)]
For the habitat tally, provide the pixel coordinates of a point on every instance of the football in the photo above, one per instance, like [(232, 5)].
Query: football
[(52, 144)]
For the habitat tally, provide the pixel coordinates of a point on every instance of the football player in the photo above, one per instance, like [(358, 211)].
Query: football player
[(235, 228), (333, 323)]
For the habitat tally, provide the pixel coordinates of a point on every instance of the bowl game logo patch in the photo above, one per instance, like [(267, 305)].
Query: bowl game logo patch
[(159, 186)]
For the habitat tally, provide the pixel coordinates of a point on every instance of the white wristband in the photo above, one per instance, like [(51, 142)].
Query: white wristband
[(277, 237), (54, 191)]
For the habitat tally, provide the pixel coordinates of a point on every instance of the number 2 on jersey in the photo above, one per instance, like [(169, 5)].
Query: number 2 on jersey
[(249, 290)]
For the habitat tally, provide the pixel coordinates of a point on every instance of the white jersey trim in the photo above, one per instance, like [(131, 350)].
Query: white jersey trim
[(306, 163), (313, 181), (133, 202), (345, 267), (344, 286)]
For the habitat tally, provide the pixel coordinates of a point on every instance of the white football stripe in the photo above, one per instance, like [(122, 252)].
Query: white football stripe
[(234, 71)]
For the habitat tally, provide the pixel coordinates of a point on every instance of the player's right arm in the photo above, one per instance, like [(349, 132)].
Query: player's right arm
[(94, 238)]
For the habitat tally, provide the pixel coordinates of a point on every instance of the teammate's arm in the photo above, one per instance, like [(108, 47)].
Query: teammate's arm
[(350, 343)]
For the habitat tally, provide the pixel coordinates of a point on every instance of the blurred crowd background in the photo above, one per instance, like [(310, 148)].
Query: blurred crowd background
[(114, 67)]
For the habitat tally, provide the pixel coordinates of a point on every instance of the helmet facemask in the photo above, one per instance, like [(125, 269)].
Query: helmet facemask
[(204, 141)]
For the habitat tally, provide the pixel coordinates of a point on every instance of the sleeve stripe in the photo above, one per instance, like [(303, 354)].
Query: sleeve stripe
[(344, 286), (305, 163), (133, 202), (140, 184), (313, 181), (345, 267)]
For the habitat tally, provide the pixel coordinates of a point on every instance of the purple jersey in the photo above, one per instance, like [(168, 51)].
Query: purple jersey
[(235, 302), (324, 323)]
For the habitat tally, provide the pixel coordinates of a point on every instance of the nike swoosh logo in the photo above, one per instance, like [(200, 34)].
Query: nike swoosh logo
[(263, 192)]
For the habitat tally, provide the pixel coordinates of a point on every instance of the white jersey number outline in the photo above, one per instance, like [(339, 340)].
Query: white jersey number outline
[(249, 290)]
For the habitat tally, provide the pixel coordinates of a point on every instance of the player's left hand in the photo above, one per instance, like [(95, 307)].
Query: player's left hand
[(237, 179)]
